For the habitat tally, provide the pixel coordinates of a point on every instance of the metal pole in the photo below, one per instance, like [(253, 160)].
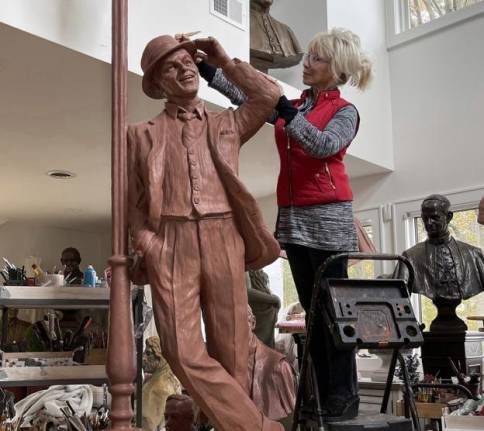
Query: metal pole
[(120, 365)]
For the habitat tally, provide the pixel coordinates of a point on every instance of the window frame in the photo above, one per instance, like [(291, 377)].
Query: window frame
[(373, 217), (398, 33)]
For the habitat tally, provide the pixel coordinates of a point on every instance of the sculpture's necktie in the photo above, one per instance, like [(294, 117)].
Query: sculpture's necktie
[(188, 133)]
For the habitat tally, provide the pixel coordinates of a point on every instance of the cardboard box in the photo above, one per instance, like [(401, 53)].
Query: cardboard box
[(424, 410)]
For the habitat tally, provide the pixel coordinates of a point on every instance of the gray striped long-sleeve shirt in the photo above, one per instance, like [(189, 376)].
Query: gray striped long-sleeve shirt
[(327, 226)]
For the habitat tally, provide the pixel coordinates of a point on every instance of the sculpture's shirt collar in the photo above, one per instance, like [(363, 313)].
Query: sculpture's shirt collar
[(440, 241), (174, 110)]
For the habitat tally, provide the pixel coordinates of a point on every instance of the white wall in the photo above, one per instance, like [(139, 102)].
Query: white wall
[(367, 20), (438, 129), (18, 240), (305, 19), (85, 26), (268, 206)]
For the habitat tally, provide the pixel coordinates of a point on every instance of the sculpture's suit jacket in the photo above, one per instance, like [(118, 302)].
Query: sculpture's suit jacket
[(227, 131)]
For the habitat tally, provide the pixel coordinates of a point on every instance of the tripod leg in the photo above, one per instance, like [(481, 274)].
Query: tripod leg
[(388, 387), (317, 399), (409, 396), (305, 360)]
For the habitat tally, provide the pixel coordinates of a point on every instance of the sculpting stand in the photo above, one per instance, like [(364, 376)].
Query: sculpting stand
[(366, 314)]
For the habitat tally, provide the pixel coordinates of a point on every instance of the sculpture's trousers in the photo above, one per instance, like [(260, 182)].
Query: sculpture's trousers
[(197, 267)]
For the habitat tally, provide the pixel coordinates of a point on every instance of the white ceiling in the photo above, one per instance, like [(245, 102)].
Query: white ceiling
[(55, 107)]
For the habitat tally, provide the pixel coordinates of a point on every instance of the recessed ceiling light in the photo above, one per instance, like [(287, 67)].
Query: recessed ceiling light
[(59, 174)]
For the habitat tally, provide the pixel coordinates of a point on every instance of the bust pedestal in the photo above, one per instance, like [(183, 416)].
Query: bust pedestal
[(447, 320)]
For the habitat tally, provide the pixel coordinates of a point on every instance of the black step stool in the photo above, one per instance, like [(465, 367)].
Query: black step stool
[(366, 314)]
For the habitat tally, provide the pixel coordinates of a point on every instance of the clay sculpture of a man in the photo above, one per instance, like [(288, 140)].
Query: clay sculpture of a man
[(196, 225)]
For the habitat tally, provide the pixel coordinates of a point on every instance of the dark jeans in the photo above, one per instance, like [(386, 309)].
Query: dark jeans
[(335, 369)]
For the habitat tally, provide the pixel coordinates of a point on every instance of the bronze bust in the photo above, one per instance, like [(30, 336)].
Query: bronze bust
[(273, 45), (446, 270)]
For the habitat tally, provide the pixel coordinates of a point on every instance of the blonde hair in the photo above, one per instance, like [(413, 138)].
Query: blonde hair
[(348, 63)]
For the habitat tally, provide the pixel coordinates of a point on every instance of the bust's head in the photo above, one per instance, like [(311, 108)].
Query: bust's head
[(263, 3), (179, 413), (71, 259), (436, 216)]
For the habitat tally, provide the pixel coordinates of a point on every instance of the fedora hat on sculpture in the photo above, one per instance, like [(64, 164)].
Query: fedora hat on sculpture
[(157, 49)]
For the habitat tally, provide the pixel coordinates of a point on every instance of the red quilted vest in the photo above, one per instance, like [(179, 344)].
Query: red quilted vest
[(303, 179)]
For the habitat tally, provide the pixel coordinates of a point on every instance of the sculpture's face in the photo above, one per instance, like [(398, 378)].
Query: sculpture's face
[(316, 71), (179, 415), (435, 218), (177, 75), (152, 358)]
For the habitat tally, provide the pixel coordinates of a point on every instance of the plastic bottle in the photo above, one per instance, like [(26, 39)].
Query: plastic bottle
[(90, 276)]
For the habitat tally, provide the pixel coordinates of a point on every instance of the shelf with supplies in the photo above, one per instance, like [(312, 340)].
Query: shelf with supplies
[(65, 298), (46, 376), (59, 298)]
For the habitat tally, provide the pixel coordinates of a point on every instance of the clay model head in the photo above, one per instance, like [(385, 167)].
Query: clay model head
[(436, 216), (169, 69), (179, 413), (153, 359), (71, 258)]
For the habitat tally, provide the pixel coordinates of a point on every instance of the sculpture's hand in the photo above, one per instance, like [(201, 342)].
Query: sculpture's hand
[(137, 269), (153, 252), (273, 81), (215, 54)]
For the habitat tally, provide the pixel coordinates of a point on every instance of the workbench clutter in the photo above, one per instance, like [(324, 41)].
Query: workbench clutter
[(69, 274), (13, 275), (60, 407)]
